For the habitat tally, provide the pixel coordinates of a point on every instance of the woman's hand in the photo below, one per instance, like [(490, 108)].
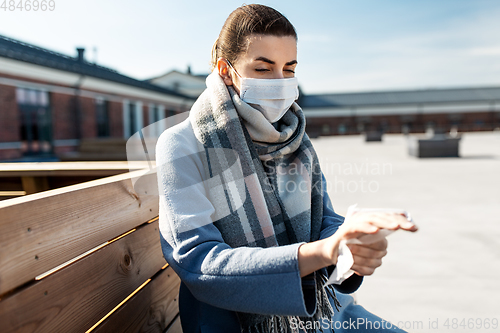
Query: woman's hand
[(367, 257), (323, 253)]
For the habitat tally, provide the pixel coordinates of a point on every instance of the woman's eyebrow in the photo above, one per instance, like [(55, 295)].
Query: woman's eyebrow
[(264, 59), (269, 61)]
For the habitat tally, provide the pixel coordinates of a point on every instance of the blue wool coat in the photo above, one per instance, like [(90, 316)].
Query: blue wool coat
[(218, 280)]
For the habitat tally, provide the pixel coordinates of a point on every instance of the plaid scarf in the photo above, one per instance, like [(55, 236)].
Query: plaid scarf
[(264, 193)]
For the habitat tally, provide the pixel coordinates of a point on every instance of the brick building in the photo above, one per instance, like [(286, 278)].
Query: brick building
[(50, 102), (413, 111)]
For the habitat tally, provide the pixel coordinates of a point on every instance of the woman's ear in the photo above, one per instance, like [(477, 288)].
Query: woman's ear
[(223, 69)]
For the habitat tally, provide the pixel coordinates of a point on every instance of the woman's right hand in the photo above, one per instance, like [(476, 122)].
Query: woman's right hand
[(367, 257), (323, 253)]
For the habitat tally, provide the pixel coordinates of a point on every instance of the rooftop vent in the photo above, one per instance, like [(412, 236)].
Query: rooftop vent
[(81, 52)]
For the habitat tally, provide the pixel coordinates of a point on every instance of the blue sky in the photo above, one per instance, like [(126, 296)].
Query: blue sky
[(355, 45)]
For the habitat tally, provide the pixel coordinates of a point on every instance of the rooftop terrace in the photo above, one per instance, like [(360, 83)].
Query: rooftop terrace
[(450, 267)]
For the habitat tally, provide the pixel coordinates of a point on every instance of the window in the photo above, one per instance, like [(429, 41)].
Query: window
[(342, 129), (154, 114), (102, 117), (132, 117), (156, 125), (325, 129), (35, 121)]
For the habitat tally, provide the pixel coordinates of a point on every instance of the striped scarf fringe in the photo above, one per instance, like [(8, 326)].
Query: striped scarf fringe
[(294, 324)]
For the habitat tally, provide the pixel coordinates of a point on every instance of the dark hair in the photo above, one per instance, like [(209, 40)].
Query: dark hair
[(245, 21)]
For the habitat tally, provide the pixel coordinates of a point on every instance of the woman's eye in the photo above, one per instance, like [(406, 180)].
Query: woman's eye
[(290, 71), (261, 70)]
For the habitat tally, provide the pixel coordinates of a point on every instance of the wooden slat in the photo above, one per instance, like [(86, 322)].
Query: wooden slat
[(61, 181), (101, 168), (152, 309), (175, 327), (74, 298), (41, 231), (5, 196), (35, 184), (10, 183)]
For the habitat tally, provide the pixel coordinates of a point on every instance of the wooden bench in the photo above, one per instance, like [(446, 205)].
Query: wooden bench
[(98, 149), (17, 179), (86, 258)]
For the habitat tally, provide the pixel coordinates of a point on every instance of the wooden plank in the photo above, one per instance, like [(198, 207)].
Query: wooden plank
[(101, 168), (77, 296), (175, 327), (41, 231), (152, 309), (10, 184), (5, 196), (35, 184), (61, 181)]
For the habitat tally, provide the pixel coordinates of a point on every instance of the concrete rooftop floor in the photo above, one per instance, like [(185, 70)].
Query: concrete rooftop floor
[(450, 268)]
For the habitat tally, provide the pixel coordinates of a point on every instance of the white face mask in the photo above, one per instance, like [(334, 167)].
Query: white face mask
[(272, 97)]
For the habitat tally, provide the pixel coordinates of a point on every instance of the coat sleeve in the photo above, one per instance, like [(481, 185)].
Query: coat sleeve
[(245, 279), (331, 222)]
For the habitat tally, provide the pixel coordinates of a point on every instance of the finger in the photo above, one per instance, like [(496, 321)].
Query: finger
[(366, 252), (358, 229), (381, 220), (409, 227), (367, 262), (362, 271), (404, 223), (392, 221), (379, 245)]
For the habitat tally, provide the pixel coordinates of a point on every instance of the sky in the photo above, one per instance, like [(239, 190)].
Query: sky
[(343, 46)]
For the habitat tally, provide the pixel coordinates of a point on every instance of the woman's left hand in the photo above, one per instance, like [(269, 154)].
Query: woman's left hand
[(367, 257)]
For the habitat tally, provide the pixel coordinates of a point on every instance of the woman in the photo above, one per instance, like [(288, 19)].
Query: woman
[(245, 219)]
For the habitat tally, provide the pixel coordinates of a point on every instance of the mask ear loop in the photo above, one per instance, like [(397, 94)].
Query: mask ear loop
[(229, 63)]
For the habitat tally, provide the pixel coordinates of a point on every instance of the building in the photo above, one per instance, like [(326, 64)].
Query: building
[(412, 111), (405, 111), (51, 102), (184, 83)]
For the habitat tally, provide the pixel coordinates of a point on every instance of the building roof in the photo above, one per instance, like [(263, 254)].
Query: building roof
[(17, 50), (457, 95), (178, 72)]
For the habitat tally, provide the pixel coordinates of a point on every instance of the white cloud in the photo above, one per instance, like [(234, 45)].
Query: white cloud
[(461, 54)]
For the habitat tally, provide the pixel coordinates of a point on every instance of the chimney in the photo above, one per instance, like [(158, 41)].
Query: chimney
[(189, 70), (81, 52)]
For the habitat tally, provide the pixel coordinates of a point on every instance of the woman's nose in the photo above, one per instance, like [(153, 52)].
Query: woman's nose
[(278, 75)]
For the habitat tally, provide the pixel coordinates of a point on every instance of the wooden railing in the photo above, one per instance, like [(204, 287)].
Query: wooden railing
[(86, 258), (18, 179)]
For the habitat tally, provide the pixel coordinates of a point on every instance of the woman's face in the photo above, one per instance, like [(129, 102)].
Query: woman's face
[(267, 57)]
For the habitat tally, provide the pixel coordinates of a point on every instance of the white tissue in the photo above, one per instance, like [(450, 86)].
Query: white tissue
[(344, 263), (345, 260)]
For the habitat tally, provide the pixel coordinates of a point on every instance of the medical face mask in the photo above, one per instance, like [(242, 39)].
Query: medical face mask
[(272, 97)]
